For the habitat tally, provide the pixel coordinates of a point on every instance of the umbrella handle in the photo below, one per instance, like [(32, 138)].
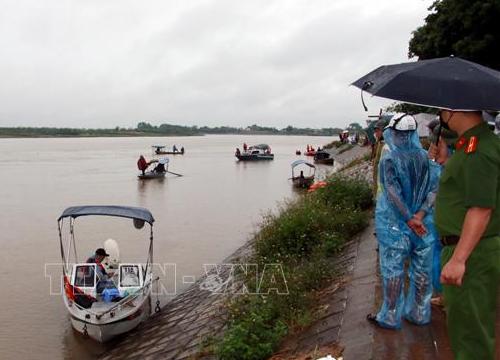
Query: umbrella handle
[(365, 86), (437, 138), (363, 101), (438, 134)]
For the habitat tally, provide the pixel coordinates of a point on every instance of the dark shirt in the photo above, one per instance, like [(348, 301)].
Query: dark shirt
[(101, 271)]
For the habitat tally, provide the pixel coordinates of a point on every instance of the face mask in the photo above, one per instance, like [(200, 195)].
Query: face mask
[(444, 125)]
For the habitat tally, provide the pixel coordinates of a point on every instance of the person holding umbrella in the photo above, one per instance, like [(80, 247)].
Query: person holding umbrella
[(450, 138), (467, 209), (468, 221)]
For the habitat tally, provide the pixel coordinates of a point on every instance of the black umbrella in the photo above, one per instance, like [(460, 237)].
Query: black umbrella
[(448, 83)]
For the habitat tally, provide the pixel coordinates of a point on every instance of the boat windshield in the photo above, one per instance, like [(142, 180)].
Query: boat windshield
[(129, 276), (85, 276)]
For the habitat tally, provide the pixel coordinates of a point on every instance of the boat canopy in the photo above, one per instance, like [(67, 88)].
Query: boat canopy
[(261, 146), (109, 210), (158, 146), (299, 162)]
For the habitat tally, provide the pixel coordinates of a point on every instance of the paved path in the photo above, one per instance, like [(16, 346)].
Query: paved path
[(342, 305)]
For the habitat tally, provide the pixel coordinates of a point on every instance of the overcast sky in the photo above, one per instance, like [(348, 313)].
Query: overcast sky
[(107, 63)]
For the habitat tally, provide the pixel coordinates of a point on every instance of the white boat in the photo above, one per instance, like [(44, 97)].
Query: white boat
[(255, 153), (103, 307)]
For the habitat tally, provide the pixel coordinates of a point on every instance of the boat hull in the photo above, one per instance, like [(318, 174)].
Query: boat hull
[(169, 153), (151, 175), (302, 183), (106, 330), (328, 161), (255, 157)]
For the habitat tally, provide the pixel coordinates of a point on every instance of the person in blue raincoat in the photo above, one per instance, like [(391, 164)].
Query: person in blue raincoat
[(405, 182), (436, 167), (425, 217)]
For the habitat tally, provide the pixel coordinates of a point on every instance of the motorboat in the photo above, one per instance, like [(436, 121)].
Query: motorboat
[(255, 153), (302, 181), (323, 157), (105, 299), (161, 150), (158, 172)]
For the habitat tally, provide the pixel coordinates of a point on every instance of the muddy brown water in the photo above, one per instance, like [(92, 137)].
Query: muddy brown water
[(201, 218)]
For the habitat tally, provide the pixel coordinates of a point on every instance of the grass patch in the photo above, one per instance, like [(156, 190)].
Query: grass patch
[(334, 144), (357, 161), (346, 148), (300, 241)]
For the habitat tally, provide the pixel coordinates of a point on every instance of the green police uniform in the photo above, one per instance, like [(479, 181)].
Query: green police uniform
[(471, 178)]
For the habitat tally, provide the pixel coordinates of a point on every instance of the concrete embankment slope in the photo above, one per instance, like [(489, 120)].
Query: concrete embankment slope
[(179, 329)]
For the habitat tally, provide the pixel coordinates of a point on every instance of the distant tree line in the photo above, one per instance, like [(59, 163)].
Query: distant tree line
[(146, 129), (64, 132)]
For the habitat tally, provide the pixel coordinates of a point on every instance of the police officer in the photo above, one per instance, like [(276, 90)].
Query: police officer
[(468, 221)]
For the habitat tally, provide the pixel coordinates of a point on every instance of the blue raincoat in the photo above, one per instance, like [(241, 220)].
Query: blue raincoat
[(428, 207), (405, 187)]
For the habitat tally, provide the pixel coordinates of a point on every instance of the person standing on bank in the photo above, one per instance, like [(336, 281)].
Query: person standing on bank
[(404, 185), (468, 221), (377, 151)]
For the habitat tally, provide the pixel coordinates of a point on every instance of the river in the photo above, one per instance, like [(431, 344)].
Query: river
[(201, 218)]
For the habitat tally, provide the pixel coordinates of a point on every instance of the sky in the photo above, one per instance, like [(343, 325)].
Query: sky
[(108, 63)]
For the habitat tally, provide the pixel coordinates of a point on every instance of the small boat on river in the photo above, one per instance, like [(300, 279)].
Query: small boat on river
[(323, 157), (158, 172), (255, 153), (301, 180), (105, 298), (161, 150)]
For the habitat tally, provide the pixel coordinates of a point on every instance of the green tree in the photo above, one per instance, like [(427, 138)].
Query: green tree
[(465, 28), (144, 126), (354, 127), (399, 107)]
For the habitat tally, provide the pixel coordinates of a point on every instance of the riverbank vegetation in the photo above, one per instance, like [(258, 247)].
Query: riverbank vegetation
[(146, 129), (300, 240)]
